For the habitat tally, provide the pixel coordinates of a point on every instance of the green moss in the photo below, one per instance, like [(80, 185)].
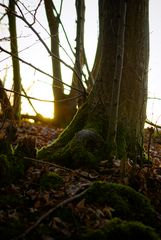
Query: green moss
[(51, 180), (127, 203), (122, 230), (81, 157), (85, 149), (80, 144), (65, 137)]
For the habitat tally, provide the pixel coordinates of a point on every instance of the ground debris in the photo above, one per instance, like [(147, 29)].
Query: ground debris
[(27, 207)]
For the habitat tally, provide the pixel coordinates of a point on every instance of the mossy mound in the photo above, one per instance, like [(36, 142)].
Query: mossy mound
[(127, 203), (51, 180), (122, 230)]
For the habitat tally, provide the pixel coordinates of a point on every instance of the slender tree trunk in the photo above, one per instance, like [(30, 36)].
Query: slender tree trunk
[(54, 35), (64, 106), (79, 56), (116, 87), (15, 61)]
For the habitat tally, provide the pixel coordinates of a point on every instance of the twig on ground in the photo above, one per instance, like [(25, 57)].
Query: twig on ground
[(58, 166), (48, 163), (61, 204)]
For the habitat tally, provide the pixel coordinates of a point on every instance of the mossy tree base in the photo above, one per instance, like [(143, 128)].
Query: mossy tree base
[(81, 144), (84, 142)]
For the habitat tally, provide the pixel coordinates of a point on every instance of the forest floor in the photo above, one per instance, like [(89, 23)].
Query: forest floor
[(27, 205)]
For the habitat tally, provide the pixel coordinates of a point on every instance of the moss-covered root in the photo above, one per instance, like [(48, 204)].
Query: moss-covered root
[(85, 149), (122, 230), (127, 203)]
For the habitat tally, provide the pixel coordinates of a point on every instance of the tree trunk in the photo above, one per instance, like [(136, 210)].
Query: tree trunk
[(54, 35), (85, 142), (64, 106), (133, 96), (6, 107), (79, 56), (15, 61)]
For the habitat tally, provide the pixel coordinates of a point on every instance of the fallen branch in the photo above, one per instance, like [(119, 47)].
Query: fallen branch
[(57, 166), (38, 118), (152, 124), (61, 204), (48, 163)]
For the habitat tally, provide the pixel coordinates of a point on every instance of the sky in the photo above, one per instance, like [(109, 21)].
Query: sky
[(31, 50), (36, 84), (154, 78)]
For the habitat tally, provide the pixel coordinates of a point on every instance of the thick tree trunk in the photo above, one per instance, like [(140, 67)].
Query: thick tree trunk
[(86, 140), (133, 96)]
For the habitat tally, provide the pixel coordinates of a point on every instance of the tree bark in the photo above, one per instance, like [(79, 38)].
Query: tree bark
[(79, 56), (5, 103), (85, 142), (15, 61)]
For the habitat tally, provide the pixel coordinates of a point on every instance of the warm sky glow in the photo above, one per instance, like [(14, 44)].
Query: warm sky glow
[(154, 81), (40, 86)]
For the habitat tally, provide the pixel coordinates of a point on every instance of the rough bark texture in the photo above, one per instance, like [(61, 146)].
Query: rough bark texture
[(77, 145), (133, 96)]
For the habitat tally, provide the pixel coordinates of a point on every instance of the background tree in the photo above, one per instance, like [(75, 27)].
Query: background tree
[(88, 139), (15, 61), (65, 105)]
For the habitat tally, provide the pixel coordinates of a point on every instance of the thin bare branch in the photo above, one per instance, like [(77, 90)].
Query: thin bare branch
[(58, 15), (38, 99), (48, 32), (36, 9), (61, 5), (41, 40), (39, 70), (152, 124), (154, 98), (3, 16)]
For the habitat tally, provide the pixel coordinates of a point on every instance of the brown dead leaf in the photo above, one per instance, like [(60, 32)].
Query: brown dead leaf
[(80, 205), (108, 211)]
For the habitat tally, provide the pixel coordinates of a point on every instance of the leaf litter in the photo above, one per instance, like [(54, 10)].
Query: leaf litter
[(32, 207)]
